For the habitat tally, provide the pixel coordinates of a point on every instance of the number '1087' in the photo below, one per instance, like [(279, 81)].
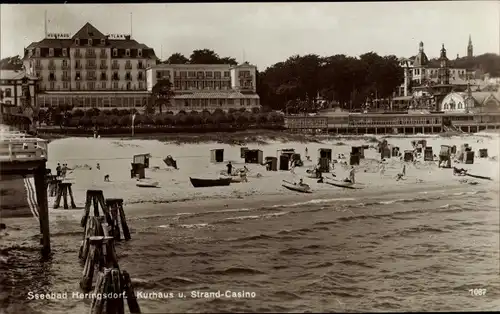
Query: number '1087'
[(477, 292)]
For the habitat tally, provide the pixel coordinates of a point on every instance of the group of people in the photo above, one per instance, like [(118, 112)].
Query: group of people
[(242, 172), (61, 171)]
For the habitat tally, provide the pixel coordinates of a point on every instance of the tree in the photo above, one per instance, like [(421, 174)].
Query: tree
[(177, 58), (228, 60), (12, 63), (204, 56), (161, 95)]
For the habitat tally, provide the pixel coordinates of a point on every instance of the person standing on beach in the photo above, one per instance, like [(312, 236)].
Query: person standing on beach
[(58, 170), (351, 175), (98, 166), (229, 168)]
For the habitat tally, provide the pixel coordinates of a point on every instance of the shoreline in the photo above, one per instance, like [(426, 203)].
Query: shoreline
[(249, 137)]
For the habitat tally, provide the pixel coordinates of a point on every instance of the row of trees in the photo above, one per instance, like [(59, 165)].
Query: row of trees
[(62, 116)]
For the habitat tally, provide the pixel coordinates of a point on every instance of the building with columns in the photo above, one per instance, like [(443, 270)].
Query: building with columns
[(207, 86), (90, 69), (18, 90)]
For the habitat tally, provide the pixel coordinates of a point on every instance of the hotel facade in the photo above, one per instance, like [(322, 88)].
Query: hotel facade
[(207, 86), (90, 70)]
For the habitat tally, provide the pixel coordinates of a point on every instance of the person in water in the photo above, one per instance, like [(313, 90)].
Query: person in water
[(229, 168)]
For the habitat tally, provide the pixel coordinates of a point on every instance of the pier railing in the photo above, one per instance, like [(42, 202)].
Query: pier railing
[(18, 146)]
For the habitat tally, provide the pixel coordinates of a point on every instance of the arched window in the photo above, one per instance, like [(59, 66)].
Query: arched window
[(446, 106), (460, 105)]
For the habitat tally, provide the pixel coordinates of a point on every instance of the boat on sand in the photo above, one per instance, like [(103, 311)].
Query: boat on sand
[(304, 188), (147, 184), (342, 184), (203, 183)]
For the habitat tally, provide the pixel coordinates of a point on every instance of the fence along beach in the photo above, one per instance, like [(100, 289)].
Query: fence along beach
[(190, 239)]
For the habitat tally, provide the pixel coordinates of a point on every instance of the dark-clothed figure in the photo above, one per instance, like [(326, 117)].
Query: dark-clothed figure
[(58, 169), (229, 168)]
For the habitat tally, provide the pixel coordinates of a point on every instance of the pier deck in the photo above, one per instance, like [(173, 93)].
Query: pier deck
[(24, 156)]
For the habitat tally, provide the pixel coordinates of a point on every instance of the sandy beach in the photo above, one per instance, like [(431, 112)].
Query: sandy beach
[(334, 249)]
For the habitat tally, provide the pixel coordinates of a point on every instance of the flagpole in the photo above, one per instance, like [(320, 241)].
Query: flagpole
[(133, 119)]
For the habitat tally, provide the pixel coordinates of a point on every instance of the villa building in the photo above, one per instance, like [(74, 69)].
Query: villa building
[(207, 86), (90, 69), (17, 90)]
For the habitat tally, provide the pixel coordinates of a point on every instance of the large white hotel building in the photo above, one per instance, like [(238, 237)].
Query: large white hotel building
[(93, 70)]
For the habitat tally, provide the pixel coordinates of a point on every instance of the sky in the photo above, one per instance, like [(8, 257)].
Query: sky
[(267, 33)]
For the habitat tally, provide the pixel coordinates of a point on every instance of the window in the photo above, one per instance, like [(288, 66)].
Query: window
[(127, 52), (140, 65), (128, 76), (8, 92), (217, 75), (65, 63), (191, 73), (115, 52), (51, 52), (183, 74), (103, 41), (91, 85), (103, 76), (52, 76), (226, 74), (52, 85), (139, 52), (37, 52), (65, 85), (103, 85), (65, 75), (115, 76), (139, 76), (199, 74), (90, 42), (77, 41), (141, 85), (115, 85), (230, 101), (77, 76), (209, 74)]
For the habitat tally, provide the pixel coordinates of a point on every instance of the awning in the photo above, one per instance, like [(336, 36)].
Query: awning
[(216, 95)]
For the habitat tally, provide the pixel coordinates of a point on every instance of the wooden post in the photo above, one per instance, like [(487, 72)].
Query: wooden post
[(41, 196), (133, 306), (63, 190), (92, 258), (115, 206), (94, 228), (97, 305)]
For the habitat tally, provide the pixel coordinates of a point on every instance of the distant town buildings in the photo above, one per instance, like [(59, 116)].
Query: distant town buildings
[(90, 69), (417, 71), (207, 86)]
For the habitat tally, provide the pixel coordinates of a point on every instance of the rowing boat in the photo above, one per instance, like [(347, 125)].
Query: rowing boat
[(342, 184), (296, 187)]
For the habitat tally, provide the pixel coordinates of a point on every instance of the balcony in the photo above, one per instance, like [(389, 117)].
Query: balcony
[(66, 78), (115, 66), (52, 78), (140, 77), (103, 78), (128, 66), (103, 55), (128, 78), (91, 66), (52, 67), (140, 66), (115, 78), (77, 55), (78, 78), (103, 67), (78, 66), (90, 55), (91, 78), (65, 66), (38, 67)]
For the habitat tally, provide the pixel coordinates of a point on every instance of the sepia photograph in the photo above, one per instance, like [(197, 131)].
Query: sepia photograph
[(258, 157)]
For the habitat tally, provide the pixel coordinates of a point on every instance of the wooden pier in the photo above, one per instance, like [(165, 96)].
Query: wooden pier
[(23, 156)]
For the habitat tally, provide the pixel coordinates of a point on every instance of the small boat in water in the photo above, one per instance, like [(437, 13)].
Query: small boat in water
[(147, 184), (203, 183), (304, 188)]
